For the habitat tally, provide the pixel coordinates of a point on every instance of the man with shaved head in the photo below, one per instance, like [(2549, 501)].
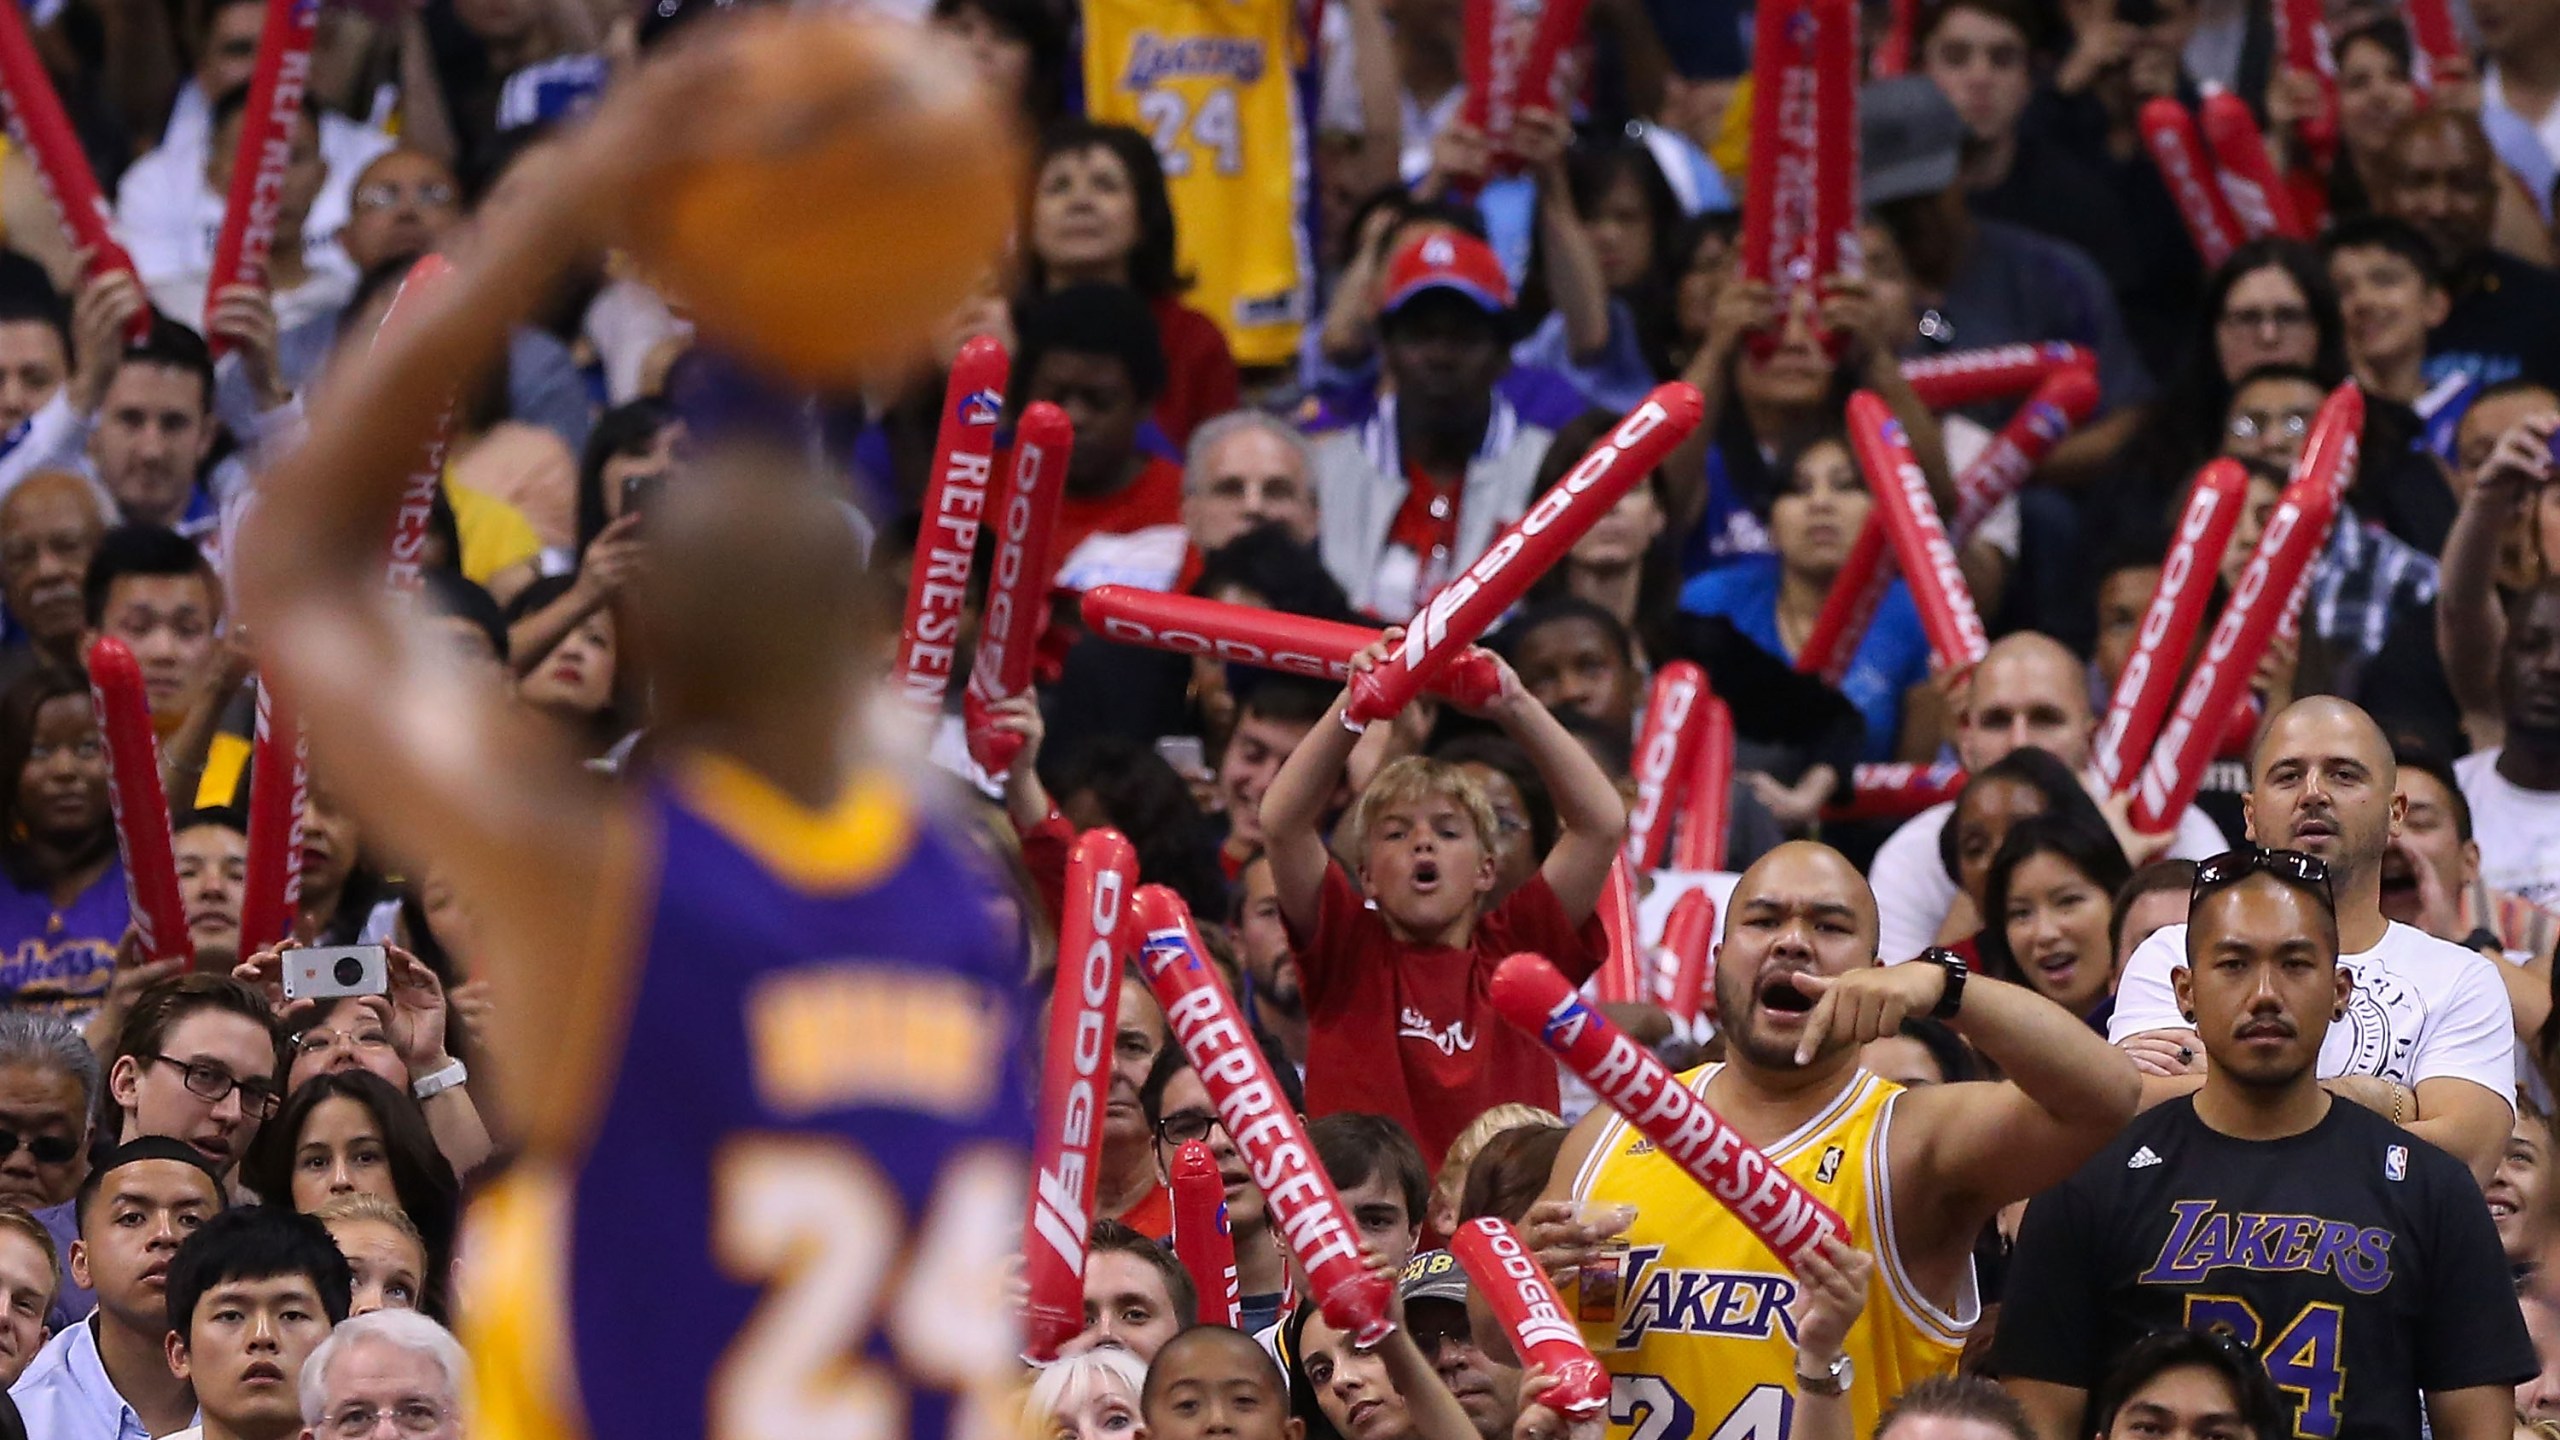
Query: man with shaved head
[(1799, 992), (2428, 1037), (2028, 693)]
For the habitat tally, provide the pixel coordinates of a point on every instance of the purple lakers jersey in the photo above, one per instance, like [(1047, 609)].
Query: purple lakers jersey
[(792, 1216)]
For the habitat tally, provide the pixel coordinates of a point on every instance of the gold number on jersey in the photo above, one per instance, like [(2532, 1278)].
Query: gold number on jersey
[(816, 1223), (1176, 129)]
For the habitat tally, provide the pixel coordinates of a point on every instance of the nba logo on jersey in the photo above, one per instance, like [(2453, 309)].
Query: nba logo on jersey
[(1829, 1170), (2395, 1162), (980, 407)]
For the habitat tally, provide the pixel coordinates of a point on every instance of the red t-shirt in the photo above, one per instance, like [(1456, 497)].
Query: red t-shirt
[(1409, 1031), (1199, 371), (1152, 1216), (1154, 498)]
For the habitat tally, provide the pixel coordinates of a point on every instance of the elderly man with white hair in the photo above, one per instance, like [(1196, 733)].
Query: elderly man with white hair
[(393, 1369), (1245, 469)]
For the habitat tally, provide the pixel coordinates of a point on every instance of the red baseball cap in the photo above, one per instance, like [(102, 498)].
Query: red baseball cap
[(1447, 260)]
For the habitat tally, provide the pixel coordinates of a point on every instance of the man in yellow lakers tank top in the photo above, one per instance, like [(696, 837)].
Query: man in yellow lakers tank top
[(1704, 1345)]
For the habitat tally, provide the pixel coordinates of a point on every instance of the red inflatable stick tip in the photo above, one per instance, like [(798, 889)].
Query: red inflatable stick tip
[(1525, 987)]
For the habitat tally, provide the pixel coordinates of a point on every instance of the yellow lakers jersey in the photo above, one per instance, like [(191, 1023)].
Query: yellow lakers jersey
[(1213, 83), (1704, 1344)]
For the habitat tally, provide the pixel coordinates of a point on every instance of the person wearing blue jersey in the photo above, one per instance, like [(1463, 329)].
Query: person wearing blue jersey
[(676, 965)]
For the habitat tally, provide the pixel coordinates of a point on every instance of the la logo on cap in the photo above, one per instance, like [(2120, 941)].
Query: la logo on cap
[(1438, 251)]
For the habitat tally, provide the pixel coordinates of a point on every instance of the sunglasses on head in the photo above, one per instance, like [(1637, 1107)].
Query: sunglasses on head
[(2304, 872)]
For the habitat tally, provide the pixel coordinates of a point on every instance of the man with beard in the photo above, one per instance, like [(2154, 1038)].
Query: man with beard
[(1262, 944), (2349, 1255), (1701, 1336), (2429, 1036)]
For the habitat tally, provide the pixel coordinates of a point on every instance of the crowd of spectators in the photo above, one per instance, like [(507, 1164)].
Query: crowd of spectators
[(2239, 1128)]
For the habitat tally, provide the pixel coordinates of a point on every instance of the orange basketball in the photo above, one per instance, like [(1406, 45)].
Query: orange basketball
[(863, 183)]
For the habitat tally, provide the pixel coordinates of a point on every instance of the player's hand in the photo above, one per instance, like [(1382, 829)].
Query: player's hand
[(1865, 1005), (2166, 1052), (1834, 1294)]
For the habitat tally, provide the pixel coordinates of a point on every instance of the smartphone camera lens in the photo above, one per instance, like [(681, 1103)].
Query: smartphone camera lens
[(349, 970)]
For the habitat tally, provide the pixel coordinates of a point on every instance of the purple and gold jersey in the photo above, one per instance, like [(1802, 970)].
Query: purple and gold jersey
[(792, 1215)]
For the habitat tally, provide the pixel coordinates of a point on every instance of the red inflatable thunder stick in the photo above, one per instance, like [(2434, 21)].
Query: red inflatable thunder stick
[(1920, 545), (2258, 198), (955, 503), (1026, 520), (2062, 402), (1970, 377), (1201, 1239), (264, 153), (2150, 675), (1542, 1332), (418, 497), (279, 784), (2329, 453), (2437, 44), (1799, 207), (1690, 935), (1708, 784), (1896, 791), (1075, 1085), (1625, 977), (1851, 606), (2276, 573), (1466, 606), (41, 129), (1559, 21), (1768, 1200), (141, 809), (1304, 1207), (2302, 43), (2169, 134), (1265, 639), (1662, 753), (1893, 53)]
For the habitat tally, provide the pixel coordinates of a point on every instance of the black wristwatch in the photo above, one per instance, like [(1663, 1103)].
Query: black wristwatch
[(1950, 999)]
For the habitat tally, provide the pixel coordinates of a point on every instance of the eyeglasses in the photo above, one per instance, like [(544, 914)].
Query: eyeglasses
[(212, 1082), (411, 1417), (320, 1040), (48, 1149), (382, 195), (2304, 872), (2260, 424), (1184, 1126), (2273, 317)]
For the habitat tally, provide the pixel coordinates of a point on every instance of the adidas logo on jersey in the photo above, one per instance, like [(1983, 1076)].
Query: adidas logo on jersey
[(2143, 1159)]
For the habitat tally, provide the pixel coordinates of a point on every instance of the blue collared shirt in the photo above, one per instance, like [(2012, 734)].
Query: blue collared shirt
[(66, 1395)]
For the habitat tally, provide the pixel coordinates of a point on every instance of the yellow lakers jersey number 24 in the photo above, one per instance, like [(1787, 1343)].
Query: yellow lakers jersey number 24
[(1212, 83)]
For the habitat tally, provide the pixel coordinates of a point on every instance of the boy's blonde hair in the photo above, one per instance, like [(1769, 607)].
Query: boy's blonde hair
[(1462, 1152), (1415, 778)]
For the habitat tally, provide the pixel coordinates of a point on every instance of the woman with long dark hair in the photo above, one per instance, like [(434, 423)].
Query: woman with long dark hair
[(63, 910), (2048, 907), (1100, 214), (1630, 220), (351, 1132)]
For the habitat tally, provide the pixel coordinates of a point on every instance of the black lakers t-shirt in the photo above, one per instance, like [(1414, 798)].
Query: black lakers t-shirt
[(2358, 1261)]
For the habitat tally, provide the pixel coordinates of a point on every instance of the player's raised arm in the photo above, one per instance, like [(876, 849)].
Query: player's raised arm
[(430, 755)]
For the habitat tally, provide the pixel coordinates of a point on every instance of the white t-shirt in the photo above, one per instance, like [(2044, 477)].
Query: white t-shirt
[(2518, 830), (1913, 893), (2423, 1008)]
